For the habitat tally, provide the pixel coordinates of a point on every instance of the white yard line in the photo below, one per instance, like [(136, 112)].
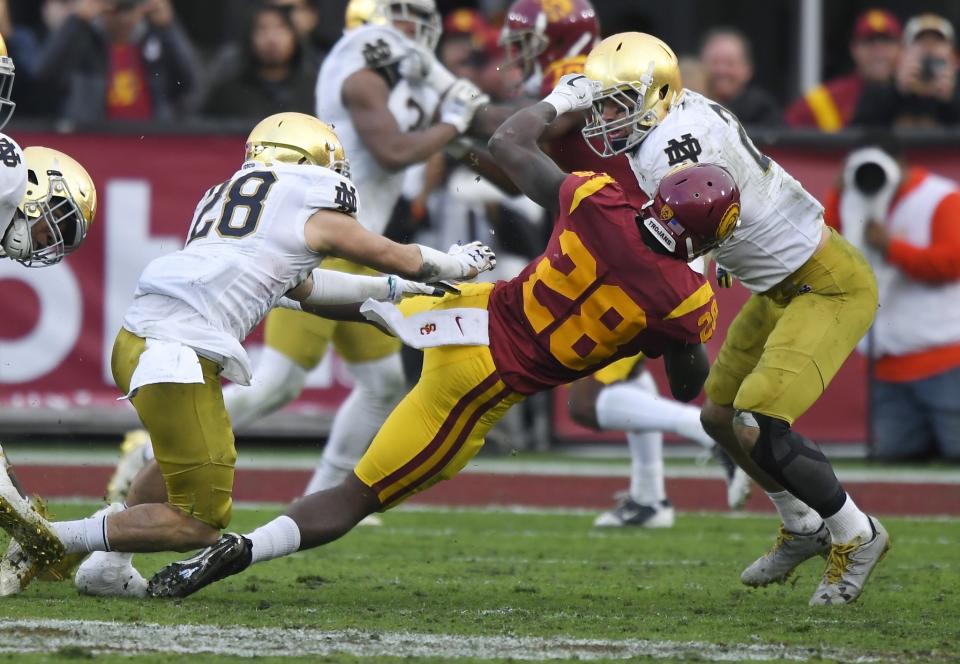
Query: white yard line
[(21, 636)]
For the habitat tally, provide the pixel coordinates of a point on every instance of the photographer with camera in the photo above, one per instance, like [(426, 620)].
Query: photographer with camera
[(924, 92), (117, 60), (906, 221)]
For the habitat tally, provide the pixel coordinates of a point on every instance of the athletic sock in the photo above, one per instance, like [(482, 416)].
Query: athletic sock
[(83, 535), (647, 484), (280, 537), (796, 515), (848, 523)]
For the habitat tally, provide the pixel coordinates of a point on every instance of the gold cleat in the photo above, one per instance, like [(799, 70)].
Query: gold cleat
[(21, 520)]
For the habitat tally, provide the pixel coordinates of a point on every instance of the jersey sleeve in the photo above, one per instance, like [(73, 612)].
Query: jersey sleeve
[(332, 191), (694, 319)]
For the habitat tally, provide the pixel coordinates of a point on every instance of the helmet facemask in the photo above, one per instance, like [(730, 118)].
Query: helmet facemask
[(424, 17), (7, 104), (638, 115), (62, 220), (523, 47)]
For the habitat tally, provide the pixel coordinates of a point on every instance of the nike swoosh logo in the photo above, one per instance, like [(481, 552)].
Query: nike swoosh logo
[(457, 320)]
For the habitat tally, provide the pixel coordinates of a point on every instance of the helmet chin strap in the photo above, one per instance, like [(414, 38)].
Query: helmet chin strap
[(17, 242)]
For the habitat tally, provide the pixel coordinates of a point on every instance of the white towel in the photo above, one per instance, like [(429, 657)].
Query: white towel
[(165, 362), (429, 329)]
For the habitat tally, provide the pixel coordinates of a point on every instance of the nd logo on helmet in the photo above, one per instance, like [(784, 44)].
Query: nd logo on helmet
[(556, 9), (729, 221)]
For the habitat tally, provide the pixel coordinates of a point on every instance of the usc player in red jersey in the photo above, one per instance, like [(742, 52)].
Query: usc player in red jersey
[(548, 39), (613, 281)]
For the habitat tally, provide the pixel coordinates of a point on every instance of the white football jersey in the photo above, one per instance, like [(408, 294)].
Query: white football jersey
[(245, 249), (13, 182), (412, 105), (780, 223)]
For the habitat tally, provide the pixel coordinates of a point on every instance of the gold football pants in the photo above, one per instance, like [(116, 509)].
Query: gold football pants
[(786, 345), (190, 431), (440, 425)]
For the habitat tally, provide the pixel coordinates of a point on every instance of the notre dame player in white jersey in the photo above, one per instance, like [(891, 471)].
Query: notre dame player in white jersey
[(813, 297), (254, 238), (382, 114), (47, 199)]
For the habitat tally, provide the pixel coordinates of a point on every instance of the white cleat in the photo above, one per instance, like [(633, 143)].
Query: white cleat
[(133, 457), (849, 567), (17, 570), (109, 574), (630, 513), (371, 520)]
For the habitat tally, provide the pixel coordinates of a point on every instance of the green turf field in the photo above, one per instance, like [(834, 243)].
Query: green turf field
[(415, 589)]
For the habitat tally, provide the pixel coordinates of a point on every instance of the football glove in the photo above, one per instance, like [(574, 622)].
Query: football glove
[(724, 278), (420, 65), (400, 288), (460, 103), (473, 256), (574, 92)]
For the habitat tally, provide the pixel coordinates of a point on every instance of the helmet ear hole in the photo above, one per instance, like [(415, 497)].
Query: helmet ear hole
[(664, 89)]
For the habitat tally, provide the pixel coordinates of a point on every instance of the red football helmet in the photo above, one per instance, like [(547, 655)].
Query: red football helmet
[(539, 32), (695, 209)]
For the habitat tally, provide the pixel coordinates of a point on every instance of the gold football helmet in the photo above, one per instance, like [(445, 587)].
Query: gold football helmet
[(61, 196), (6, 85), (422, 14), (364, 12), (296, 138), (640, 79)]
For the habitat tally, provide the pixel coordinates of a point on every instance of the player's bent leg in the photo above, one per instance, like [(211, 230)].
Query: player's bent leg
[(277, 381), (294, 343), (582, 401), (379, 386)]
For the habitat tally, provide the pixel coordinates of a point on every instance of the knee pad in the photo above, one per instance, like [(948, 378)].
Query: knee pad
[(797, 464), (774, 445), (382, 379)]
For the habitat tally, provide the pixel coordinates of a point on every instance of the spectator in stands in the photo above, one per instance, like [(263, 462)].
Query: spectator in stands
[(274, 75), (306, 17), (874, 47), (924, 92), (728, 66), (907, 221), (118, 60)]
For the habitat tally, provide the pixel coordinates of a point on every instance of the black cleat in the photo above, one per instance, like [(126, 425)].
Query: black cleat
[(230, 555)]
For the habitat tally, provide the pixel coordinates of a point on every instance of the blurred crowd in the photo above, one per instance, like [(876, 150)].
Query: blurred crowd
[(88, 61)]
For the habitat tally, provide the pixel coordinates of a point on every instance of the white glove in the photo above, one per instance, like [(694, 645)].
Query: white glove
[(474, 256), (420, 65), (574, 92), (460, 103), (400, 288), (460, 262)]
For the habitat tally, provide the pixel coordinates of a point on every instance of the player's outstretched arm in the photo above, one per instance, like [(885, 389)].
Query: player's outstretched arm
[(335, 233), (515, 149), (515, 143), (366, 96), (687, 368)]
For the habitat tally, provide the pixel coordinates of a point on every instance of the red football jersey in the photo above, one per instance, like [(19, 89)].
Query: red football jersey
[(597, 294), (571, 151)]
